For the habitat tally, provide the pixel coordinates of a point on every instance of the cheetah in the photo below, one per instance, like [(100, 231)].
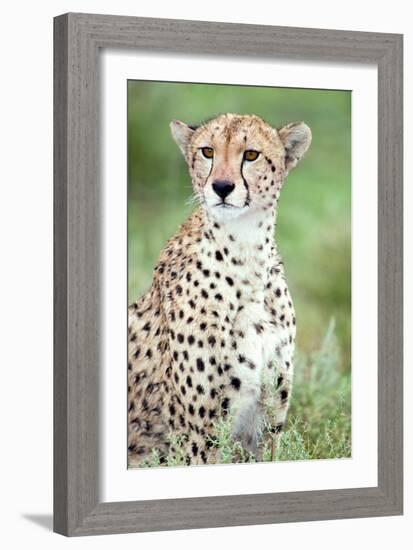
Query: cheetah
[(214, 335)]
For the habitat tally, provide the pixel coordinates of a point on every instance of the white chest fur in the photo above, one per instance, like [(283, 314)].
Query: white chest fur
[(242, 252)]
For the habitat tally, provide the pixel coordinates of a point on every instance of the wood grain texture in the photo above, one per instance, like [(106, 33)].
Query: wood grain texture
[(390, 273), (60, 486), (77, 305), (78, 40)]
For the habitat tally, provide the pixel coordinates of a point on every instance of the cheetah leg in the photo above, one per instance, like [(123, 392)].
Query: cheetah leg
[(276, 401), (247, 412), (247, 421)]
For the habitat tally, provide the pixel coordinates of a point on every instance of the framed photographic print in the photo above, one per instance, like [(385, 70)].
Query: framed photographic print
[(228, 274)]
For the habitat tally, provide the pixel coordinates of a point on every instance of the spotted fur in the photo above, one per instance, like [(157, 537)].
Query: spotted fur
[(217, 324)]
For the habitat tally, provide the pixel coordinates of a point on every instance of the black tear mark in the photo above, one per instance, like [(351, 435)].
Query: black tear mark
[(248, 197)]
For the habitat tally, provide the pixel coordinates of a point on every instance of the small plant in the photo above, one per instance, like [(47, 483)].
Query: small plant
[(176, 455), (153, 462), (291, 445), (230, 451)]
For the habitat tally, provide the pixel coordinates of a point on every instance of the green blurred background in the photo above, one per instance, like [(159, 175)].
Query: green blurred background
[(314, 218)]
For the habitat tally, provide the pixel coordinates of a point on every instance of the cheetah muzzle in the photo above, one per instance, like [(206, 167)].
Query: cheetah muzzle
[(213, 338)]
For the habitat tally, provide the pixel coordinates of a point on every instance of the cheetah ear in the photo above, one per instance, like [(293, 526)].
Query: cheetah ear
[(182, 134), (296, 138)]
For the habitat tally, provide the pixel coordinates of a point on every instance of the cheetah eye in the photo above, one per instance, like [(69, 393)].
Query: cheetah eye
[(208, 152), (251, 155)]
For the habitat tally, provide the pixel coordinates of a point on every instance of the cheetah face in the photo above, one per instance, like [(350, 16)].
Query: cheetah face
[(238, 163)]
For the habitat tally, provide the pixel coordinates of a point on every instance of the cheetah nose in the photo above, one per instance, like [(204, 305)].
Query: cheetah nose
[(222, 188)]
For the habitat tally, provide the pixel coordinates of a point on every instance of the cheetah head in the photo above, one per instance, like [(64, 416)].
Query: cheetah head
[(238, 162)]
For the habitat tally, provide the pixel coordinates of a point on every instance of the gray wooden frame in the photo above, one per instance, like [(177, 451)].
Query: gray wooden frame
[(78, 40)]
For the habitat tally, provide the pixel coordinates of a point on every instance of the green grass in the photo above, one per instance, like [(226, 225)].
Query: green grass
[(313, 231), (319, 420)]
